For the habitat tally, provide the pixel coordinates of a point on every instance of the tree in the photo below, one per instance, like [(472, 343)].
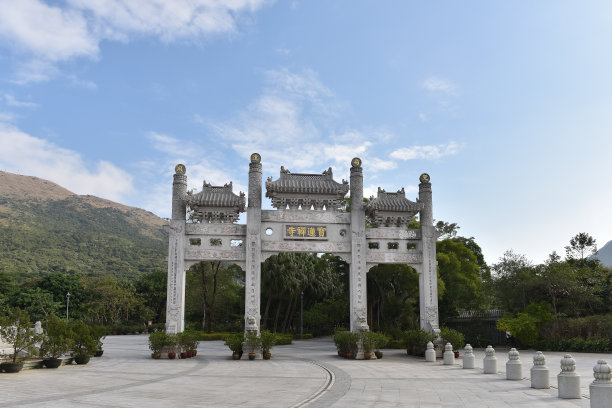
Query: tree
[(581, 245), (15, 329), (152, 287), (513, 282), (446, 230)]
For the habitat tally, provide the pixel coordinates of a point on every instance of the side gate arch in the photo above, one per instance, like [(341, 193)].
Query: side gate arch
[(306, 218)]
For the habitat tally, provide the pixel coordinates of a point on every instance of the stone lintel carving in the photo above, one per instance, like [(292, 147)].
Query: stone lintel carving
[(393, 233), (306, 246), (378, 257), (324, 217), (235, 254), (238, 230)]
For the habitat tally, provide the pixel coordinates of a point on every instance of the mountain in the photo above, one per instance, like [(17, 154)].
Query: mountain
[(605, 255), (46, 228)]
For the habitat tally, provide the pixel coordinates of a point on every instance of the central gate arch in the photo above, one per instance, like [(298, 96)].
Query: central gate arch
[(306, 218)]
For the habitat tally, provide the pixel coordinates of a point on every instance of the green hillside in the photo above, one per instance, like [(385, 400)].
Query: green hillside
[(45, 228)]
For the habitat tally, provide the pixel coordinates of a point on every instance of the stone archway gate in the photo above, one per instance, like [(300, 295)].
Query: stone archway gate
[(306, 218)]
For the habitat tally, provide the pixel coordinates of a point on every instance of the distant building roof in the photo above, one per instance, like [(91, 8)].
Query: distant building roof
[(303, 183), (394, 202), (217, 196)]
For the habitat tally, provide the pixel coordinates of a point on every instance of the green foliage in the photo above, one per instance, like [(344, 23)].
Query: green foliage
[(455, 338), (283, 338), (15, 329), (76, 235), (525, 326), (160, 339), (346, 341), (416, 341), (234, 341), (268, 340), (252, 342), (188, 339), (84, 341), (368, 339), (57, 338)]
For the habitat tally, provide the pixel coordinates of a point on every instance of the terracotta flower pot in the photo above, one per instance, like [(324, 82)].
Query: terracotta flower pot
[(235, 356), (156, 356), (185, 354), (267, 355), (367, 355), (171, 356), (193, 352)]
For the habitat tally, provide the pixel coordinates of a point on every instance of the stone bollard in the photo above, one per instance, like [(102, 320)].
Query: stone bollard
[(514, 367), (489, 363), (468, 357), (449, 354), (430, 353), (540, 374), (601, 388), (568, 379)]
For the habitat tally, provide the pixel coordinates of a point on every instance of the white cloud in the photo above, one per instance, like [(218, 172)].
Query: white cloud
[(429, 152), (41, 158), (45, 34), (377, 164), (10, 100), (435, 84)]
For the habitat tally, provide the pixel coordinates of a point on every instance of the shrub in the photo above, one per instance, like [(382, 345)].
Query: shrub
[(252, 342), (234, 342), (368, 339), (453, 337), (158, 340), (188, 340), (284, 338), (84, 342), (57, 338), (346, 342), (15, 330), (416, 341), (268, 340)]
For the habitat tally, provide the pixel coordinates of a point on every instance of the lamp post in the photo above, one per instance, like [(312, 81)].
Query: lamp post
[(67, 304), (302, 314)]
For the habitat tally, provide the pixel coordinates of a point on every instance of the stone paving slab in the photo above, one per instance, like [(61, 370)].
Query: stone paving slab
[(306, 374)]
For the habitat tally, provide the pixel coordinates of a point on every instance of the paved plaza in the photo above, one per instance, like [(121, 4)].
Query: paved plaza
[(306, 374)]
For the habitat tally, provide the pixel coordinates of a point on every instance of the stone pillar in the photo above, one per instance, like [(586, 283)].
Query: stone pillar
[(568, 380), (540, 374), (175, 298), (358, 282), (428, 278), (252, 281), (468, 357), (430, 353), (489, 364), (600, 389), (449, 354), (514, 367)]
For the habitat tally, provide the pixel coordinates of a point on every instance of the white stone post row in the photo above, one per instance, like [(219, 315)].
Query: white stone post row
[(449, 355), (489, 364), (568, 379), (600, 389), (540, 374), (430, 353), (468, 357), (514, 367)]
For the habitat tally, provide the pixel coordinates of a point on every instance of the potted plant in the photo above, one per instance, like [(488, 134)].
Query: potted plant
[(188, 343), (234, 342), (57, 340), (84, 343), (346, 343), (99, 333), (381, 340), (368, 340), (157, 341), (252, 343), (172, 345), (453, 337), (15, 330), (268, 340), (416, 341)]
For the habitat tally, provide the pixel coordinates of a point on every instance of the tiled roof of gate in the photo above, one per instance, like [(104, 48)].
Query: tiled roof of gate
[(217, 196), (306, 183), (395, 202)]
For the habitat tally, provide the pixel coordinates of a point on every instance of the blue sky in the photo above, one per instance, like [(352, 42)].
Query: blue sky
[(507, 105)]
